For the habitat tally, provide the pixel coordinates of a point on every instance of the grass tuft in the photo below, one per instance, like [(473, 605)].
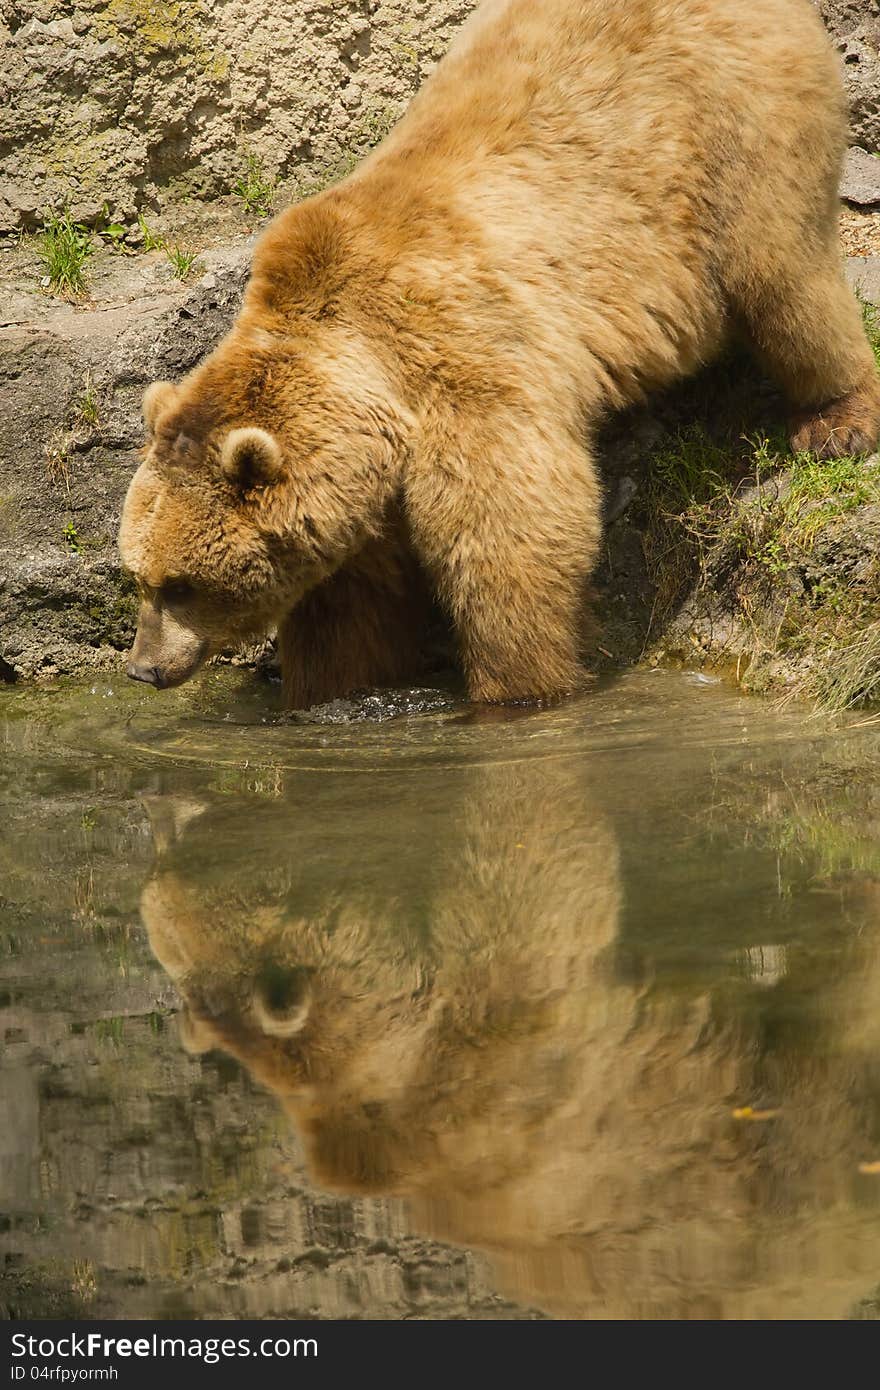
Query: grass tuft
[(86, 409), (183, 261), (65, 248), (847, 674), (153, 241), (253, 187)]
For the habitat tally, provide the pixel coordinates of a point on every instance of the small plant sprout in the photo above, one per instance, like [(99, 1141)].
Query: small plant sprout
[(253, 187), (83, 1283), (57, 450), (153, 241), (183, 261), (65, 248), (113, 234), (86, 408), (71, 536)]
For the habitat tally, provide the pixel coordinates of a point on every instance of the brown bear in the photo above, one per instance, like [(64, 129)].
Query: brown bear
[(578, 207)]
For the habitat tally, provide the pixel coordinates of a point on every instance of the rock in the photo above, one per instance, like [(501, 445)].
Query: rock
[(617, 504), (855, 25), (139, 105), (863, 273), (136, 105), (861, 179)]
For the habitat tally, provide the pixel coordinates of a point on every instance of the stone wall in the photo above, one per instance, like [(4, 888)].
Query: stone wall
[(130, 103), (855, 25), (135, 103)]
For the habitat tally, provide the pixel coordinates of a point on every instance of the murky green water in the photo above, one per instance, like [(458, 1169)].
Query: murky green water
[(569, 1013)]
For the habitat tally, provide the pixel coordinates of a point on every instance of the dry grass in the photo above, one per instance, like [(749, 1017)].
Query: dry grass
[(847, 674), (860, 232)]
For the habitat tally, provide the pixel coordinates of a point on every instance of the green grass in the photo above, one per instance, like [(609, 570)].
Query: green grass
[(183, 261), (71, 537), (86, 409), (152, 241), (65, 248), (760, 532), (816, 493), (254, 189), (770, 505)]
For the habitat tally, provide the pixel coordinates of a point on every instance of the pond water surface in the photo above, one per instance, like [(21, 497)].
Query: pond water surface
[(562, 1013)]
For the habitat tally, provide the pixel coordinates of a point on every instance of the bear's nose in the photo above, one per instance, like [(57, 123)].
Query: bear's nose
[(150, 675)]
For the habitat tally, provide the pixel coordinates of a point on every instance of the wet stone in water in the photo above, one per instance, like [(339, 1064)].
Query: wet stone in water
[(376, 706)]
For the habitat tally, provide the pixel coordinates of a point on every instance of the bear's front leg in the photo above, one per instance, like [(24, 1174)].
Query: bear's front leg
[(506, 516), (363, 627)]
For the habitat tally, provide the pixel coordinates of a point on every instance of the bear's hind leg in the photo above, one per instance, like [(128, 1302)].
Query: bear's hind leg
[(507, 522), (806, 325), (363, 627)]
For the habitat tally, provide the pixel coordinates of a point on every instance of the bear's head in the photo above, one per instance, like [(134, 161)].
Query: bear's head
[(197, 539), (266, 467)]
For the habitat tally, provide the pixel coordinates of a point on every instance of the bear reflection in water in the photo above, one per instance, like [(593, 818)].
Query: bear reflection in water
[(428, 976)]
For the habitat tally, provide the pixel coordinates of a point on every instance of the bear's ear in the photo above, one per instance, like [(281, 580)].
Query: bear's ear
[(251, 458), (158, 400)]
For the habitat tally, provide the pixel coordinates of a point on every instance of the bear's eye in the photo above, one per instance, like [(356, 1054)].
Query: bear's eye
[(177, 591)]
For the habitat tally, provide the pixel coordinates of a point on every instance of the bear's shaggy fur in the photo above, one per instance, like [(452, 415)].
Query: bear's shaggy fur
[(577, 209)]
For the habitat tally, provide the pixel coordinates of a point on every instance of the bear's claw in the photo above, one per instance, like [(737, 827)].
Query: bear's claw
[(850, 425)]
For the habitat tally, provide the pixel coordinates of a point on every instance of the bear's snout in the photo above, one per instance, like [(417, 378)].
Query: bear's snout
[(166, 652), (149, 675)]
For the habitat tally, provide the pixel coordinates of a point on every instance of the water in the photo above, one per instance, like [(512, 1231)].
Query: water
[(567, 1013)]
